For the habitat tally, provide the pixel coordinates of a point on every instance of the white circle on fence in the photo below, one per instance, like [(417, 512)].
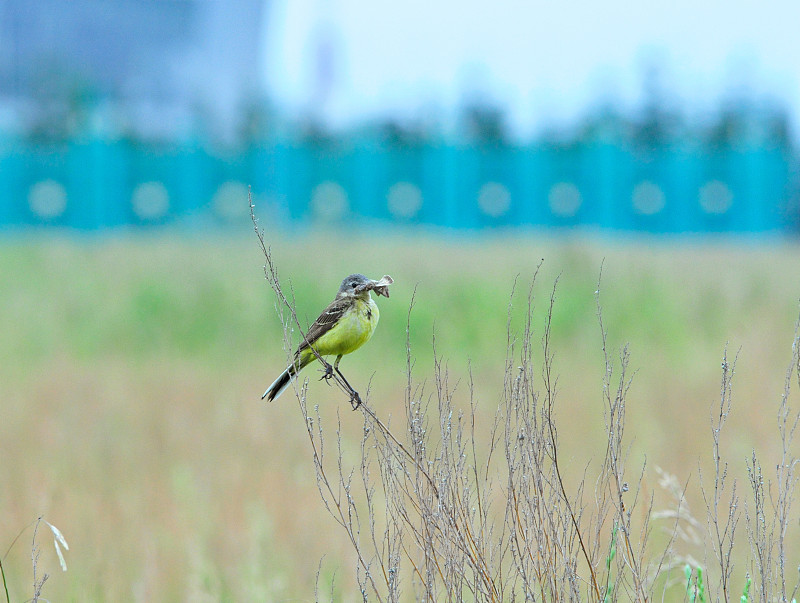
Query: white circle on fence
[(329, 201), (230, 200), (648, 198), (404, 199), (564, 199), (48, 199), (494, 199), (715, 197), (150, 200)]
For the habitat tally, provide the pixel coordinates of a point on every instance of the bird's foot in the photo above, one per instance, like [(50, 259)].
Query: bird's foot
[(355, 399), (327, 374)]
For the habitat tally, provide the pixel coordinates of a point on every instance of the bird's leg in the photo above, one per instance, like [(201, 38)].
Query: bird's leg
[(355, 399)]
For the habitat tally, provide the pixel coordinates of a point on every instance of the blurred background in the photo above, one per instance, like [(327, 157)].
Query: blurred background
[(452, 145), (679, 119)]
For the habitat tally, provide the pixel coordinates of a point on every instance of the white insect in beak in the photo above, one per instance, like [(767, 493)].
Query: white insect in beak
[(381, 287)]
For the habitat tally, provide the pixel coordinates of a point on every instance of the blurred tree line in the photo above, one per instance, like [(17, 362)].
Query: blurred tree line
[(65, 107)]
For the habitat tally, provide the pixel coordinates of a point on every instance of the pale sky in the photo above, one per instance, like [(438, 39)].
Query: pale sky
[(545, 61)]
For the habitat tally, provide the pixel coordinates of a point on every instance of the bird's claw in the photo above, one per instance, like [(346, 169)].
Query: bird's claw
[(355, 400), (327, 374)]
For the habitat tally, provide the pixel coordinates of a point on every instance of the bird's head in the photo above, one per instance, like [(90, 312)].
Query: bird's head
[(358, 285)]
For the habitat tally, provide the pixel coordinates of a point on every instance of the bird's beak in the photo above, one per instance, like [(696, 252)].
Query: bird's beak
[(380, 287)]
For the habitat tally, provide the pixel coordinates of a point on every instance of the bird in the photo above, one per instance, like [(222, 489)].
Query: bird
[(344, 326)]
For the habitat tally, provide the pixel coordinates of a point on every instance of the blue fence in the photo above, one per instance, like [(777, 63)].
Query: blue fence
[(97, 184)]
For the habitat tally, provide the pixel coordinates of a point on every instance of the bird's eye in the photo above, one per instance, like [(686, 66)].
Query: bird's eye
[(354, 285)]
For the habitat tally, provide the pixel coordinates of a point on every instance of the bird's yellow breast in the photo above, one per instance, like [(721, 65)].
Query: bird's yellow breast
[(352, 330)]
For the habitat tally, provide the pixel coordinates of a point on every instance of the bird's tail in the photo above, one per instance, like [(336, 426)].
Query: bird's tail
[(286, 377), (280, 384)]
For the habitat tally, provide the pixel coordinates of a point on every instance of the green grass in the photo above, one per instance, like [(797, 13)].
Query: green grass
[(132, 368)]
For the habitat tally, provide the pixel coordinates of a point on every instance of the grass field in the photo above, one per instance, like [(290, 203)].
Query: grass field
[(132, 367)]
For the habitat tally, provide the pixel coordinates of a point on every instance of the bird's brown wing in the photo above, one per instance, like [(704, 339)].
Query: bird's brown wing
[(325, 322)]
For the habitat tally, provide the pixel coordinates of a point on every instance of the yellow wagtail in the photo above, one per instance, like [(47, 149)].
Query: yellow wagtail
[(343, 327)]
